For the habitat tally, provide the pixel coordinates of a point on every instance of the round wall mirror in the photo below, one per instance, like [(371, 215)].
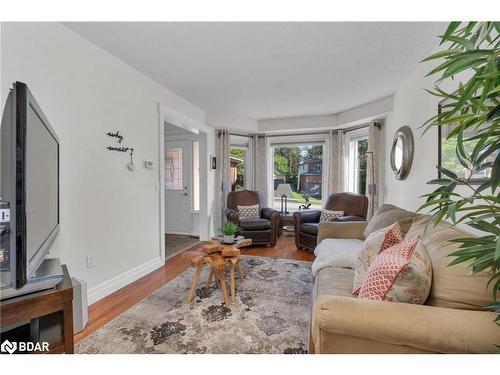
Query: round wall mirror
[(402, 152)]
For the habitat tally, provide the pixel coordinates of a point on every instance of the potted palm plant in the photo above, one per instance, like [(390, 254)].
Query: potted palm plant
[(473, 107), (230, 229)]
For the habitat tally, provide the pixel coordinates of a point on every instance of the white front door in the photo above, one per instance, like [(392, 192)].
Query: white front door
[(178, 165)]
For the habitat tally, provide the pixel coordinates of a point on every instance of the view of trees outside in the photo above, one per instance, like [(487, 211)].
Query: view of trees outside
[(362, 163), (240, 169), (287, 161)]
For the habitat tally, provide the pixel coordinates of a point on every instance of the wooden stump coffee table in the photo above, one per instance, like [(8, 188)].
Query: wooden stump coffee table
[(217, 255)]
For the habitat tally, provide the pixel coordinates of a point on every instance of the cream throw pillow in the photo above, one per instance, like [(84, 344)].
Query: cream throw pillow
[(375, 243), (327, 215)]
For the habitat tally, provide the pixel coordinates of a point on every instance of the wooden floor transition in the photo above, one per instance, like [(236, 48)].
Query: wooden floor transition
[(113, 305)]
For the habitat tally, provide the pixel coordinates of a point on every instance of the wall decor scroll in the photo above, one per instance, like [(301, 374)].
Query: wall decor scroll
[(130, 150)]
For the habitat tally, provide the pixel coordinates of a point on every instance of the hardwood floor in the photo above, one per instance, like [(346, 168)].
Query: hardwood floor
[(113, 305), (285, 248)]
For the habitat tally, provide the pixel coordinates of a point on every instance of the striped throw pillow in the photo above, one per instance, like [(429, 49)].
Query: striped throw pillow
[(401, 273)]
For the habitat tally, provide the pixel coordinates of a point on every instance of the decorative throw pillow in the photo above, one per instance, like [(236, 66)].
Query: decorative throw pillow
[(249, 212), (401, 273), (327, 215), (375, 243)]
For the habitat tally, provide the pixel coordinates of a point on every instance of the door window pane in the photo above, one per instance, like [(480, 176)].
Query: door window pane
[(173, 168)]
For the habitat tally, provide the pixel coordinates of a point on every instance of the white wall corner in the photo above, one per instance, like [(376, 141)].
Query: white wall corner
[(361, 114), (297, 124), (377, 109), (115, 283)]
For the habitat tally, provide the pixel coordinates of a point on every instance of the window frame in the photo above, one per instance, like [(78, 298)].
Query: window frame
[(244, 143), (351, 157), (319, 139)]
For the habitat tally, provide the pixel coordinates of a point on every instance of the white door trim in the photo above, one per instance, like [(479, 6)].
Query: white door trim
[(182, 121)]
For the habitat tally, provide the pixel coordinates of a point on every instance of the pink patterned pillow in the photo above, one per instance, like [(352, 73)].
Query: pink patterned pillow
[(375, 243), (401, 273)]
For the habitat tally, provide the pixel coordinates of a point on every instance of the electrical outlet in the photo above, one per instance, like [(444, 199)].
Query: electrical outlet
[(90, 261)]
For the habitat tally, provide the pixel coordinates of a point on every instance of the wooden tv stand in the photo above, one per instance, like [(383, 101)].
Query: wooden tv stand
[(51, 309)]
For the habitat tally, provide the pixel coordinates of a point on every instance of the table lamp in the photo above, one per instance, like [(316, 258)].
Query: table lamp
[(284, 191)]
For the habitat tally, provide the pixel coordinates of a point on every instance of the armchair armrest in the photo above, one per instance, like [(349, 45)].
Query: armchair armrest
[(274, 217), (341, 229), (423, 327), (269, 213), (232, 215), (350, 218), (306, 216)]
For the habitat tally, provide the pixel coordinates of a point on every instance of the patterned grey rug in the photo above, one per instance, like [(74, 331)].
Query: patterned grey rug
[(270, 315)]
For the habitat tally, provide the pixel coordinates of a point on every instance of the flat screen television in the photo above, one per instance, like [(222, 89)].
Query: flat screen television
[(29, 187)]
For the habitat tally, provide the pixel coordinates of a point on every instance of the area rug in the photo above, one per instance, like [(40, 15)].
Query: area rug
[(270, 315)]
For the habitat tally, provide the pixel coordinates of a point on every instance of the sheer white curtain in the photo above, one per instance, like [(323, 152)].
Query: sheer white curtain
[(336, 170), (261, 173), (223, 173), (372, 166)]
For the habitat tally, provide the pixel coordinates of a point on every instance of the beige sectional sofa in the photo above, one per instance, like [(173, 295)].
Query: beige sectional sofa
[(453, 319)]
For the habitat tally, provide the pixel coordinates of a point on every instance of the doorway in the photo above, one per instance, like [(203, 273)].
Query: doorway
[(175, 126), (181, 189)]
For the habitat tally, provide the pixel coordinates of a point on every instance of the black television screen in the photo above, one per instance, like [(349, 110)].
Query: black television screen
[(30, 182)]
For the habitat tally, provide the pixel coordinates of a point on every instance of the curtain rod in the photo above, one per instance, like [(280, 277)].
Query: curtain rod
[(354, 128), (290, 134), (378, 124), (241, 135)]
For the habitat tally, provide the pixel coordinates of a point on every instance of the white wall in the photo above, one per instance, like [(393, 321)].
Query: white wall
[(412, 107), (1, 82), (232, 122), (106, 211), (297, 124)]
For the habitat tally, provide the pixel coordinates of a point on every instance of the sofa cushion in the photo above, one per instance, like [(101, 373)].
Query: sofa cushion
[(388, 214), (452, 286), (333, 281), (334, 252), (255, 224), (310, 228), (375, 243), (401, 273)]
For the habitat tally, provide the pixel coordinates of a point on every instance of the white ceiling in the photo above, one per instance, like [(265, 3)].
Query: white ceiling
[(270, 70)]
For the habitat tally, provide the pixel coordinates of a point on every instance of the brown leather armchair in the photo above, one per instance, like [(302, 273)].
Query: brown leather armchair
[(262, 231), (306, 223)]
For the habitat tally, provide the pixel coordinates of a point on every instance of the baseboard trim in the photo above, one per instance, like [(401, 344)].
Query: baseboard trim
[(112, 285), (178, 233)]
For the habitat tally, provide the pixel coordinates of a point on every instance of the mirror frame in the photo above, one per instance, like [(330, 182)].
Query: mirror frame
[(406, 136)]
